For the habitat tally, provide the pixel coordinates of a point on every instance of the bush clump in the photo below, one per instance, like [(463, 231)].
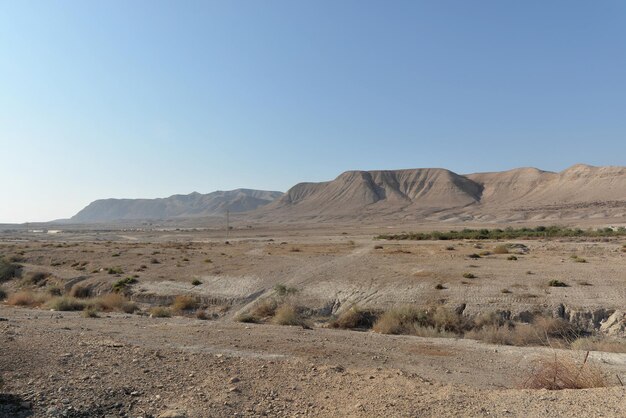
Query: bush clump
[(66, 303), (160, 312), (282, 290), (122, 284), (37, 278), (115, 270), (560, 373), (9, 270), (27, 298), (288, 314), (115, 302), (557, 283), (184, 303), (354, 318)]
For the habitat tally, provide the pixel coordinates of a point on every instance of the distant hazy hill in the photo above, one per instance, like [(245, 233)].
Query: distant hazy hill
[(176, 206), (581, 191)]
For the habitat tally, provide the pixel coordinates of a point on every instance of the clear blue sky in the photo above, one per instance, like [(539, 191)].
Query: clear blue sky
[(152, 98)]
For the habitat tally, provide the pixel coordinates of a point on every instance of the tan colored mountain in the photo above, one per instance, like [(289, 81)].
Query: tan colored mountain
[(435, 194)]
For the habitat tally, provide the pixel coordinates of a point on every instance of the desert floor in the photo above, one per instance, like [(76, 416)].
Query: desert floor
[(63, 364)]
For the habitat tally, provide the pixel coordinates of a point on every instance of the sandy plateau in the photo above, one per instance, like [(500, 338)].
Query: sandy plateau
[(189, 364)]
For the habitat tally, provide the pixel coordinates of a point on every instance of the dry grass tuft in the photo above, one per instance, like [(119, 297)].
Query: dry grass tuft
[(354, 318), (27, 298), (115, 302), (79, 291), (288, 314), (184, 303), (401, 320), (596, 344), (160, 312), (564, 373), (264, 308), (66, 303)]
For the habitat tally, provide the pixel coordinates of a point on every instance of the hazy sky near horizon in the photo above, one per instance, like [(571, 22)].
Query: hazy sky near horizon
[(152, 98)]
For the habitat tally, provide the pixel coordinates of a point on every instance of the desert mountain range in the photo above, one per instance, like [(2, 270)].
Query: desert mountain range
[(581, 191), (176, 206)]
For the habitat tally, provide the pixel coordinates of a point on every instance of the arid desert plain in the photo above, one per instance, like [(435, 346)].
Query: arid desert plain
[(330, 320)]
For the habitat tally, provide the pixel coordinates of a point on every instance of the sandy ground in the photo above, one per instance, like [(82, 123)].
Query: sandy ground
[(61, 364)]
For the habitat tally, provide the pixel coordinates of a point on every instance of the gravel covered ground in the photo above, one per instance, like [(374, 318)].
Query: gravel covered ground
[(63, 365)]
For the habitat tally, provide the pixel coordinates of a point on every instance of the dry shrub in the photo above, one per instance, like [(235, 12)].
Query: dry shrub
[(37, 278), (288, 314), (202, 314), (446, 320), (501, 249), (79, 291), (91, 312), (184, 303), (555, 328), (66, 303), (115, 302), (264, 308), (493, 334), (354, 318), (597, 344), (564, 373), (401, 320), (27, 298), (432, 332), (542, 331), (160, 312)]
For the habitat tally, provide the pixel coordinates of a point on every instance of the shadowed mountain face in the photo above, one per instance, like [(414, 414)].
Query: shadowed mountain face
[(580, 191), (176, 206)]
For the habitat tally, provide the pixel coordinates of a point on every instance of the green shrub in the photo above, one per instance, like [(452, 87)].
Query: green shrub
[(511, 258), (246, 318), (115, 270), (469, 276), (3, 294), (121, 284), (9, 270), (282, 290), (196, 282)]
